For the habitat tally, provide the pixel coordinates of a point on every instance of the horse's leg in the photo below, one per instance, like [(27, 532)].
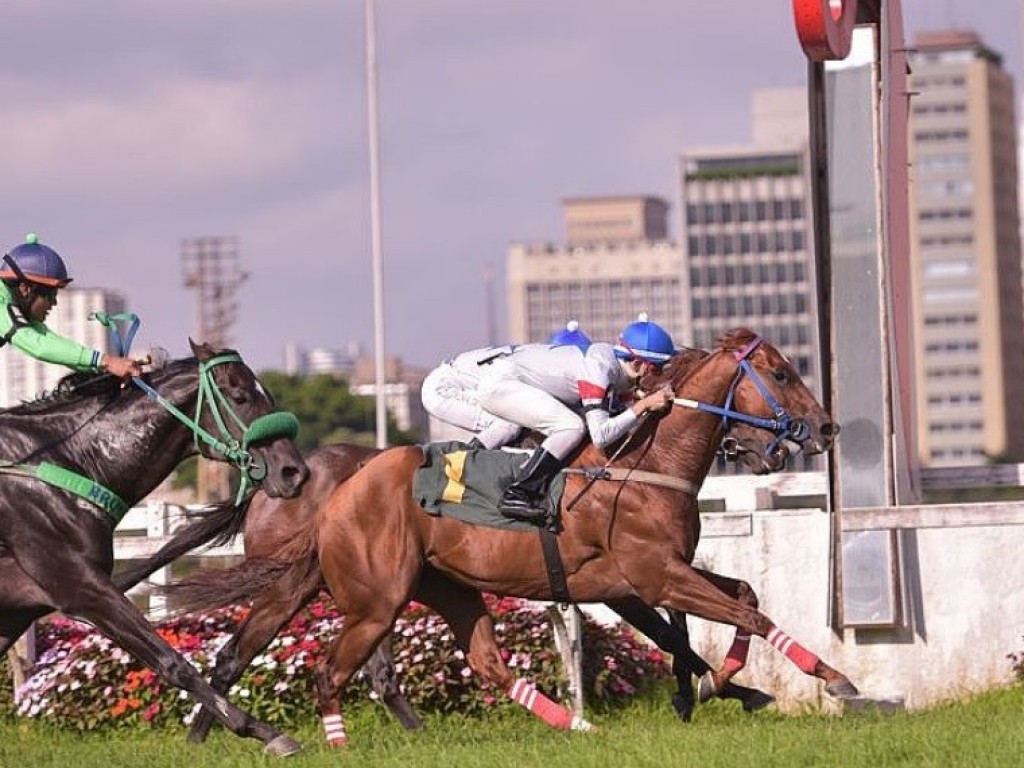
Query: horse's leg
[(80, 590), (384, 680), (359, 636), (670, 638), (752, 699), (271, 610), (467, 616), (684, 589), (719, 683)]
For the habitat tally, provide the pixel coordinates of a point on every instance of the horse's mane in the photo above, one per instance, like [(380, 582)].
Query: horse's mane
[(83, 385), (685, 361)]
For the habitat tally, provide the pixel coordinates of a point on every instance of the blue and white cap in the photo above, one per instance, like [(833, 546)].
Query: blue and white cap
[(570, 336), (646, 341)]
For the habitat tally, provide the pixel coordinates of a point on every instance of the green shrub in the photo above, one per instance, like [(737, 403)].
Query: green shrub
[(82, 680)]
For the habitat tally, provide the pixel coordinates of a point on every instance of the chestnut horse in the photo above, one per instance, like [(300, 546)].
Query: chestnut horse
[(267, 523), (631, 537)]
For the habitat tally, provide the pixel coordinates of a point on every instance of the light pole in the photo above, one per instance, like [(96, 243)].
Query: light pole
[(375, 228)]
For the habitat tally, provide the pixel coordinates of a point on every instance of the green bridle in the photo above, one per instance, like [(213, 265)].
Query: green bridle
[(266, 427)]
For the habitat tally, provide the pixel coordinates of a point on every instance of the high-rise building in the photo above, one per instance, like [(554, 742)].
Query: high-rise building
[(966, 252), (24, 378), (617, 261), (747, 241)]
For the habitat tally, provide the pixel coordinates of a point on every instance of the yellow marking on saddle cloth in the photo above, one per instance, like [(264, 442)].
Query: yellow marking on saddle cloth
[(454, 466)]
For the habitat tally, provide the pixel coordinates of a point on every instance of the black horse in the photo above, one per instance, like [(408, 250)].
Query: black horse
[(72, 464)]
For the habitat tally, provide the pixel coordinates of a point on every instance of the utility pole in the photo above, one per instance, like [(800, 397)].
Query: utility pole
[(211, 268)]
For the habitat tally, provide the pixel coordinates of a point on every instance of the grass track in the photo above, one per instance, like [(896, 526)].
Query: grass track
[(986, 731)]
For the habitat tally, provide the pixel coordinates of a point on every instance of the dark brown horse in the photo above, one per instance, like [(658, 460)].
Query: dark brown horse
[(75, 462), (628, 539)]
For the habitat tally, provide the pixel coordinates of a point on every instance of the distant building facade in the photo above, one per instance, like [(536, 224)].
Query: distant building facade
[(748, 249), (24, 378), (965, 252), (617, 261)]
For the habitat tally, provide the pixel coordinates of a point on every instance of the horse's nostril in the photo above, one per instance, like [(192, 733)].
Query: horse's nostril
[(829, 430), (295, 475)]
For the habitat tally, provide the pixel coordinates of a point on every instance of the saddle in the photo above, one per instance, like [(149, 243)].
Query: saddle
[(466, 483)]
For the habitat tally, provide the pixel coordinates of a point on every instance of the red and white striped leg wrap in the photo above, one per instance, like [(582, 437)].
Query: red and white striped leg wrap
[(795, 652), (736, 658), (334, 729), (524, 693)]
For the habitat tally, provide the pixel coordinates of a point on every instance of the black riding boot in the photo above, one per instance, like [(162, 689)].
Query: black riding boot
[(525, 499)]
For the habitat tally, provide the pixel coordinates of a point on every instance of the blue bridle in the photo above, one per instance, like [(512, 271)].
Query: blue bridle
[(783, 426)]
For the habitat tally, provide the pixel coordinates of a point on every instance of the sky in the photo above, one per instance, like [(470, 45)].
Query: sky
[(128, 126)]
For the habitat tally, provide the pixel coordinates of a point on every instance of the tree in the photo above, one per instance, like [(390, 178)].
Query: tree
[(328, 412)]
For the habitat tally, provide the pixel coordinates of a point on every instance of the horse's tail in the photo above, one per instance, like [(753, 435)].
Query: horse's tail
[(294, 567), (215, 526)]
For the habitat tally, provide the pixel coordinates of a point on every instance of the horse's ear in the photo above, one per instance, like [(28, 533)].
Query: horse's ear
[(202, 350)]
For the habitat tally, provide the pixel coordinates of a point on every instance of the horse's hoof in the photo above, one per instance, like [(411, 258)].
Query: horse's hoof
[(842, 689), (581, 724), (683, 707), (757, 700), (282, 746), (405, 714), (706, 688)]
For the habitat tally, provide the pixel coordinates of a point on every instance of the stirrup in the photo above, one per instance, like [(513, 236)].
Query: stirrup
[(524, 514)]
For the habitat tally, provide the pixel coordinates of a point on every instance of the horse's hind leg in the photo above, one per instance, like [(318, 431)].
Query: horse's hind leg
[(467, 616), (384, 679), (90, 594)]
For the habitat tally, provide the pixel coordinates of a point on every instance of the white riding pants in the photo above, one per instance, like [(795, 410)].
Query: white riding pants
[(446, 397), (501, 393)]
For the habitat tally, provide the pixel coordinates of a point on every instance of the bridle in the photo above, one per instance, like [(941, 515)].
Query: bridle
[(269, 426), (783, 426)]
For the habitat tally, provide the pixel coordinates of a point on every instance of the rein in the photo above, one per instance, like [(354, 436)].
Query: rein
[(783, 426), (266, 427)]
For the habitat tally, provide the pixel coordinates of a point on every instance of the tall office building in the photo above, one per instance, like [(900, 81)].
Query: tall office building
[(24, 378), (617, 261), (966, 252), (747, 236)]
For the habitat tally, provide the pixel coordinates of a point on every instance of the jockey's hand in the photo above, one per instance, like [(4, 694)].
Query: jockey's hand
[(121, 367), (657, 401)]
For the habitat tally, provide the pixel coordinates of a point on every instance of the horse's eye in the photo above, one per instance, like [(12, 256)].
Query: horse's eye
[(781, 375)]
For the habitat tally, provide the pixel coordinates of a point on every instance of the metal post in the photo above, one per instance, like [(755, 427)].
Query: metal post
[(378, 279)]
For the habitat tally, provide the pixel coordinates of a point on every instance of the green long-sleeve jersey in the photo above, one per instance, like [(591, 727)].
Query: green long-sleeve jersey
[(38, 341)]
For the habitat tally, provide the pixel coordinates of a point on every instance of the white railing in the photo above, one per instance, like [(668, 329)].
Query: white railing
[(147, 528)]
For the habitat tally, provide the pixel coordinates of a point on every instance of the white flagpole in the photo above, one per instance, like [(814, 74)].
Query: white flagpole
[(378, 276)]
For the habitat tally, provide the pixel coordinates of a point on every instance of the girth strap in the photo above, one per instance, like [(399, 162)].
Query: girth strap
[(80, 485), (554, 565), (618, 474)]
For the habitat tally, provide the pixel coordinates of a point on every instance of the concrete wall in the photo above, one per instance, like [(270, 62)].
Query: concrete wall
[(963, 593)]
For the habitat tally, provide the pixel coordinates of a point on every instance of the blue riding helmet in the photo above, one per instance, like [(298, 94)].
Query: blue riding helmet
[(35, 263), (645, 340), (570, 336)]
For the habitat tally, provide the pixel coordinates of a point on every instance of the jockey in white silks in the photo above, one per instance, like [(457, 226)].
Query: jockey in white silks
[(538, 386), (449, 392)]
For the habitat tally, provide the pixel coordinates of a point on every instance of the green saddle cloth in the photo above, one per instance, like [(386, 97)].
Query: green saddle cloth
[(457, 481)]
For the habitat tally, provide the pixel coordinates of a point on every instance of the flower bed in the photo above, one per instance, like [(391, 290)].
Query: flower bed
[(82, 680)]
